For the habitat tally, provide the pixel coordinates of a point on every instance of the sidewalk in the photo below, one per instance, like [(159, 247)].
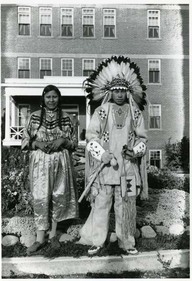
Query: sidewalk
[(155, 260)]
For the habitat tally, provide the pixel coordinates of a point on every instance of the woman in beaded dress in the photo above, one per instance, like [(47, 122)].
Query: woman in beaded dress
[(50, 138)]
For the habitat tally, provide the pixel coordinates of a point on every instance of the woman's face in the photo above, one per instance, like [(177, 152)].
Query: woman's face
[(51, 100), (119, 96)]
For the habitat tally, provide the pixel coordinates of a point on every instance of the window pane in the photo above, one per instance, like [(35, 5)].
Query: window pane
[(109, 31), (155, 158), (45, 73), (88, 31), (87, 72), (67, 16), (88, 20), (67, 67), (155, 163), (24, 29), (66, 73), (66, 30), (88, 64), (155, 122), (109, 20), (23, 73), (153, 23), (45, 29), (45, 64), (45, 19), (154, 77), (156, 32)]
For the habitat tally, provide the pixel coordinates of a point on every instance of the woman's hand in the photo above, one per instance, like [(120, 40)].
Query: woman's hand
[(56, 144), (43, 145)]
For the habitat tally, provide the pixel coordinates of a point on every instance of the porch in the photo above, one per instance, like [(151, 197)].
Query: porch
[(23, 96)]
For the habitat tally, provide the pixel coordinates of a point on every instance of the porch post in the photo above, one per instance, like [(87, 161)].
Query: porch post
[(88, 113), (7, 117)]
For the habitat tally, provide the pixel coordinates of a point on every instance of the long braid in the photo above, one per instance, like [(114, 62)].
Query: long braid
[(60, 117), (46, 90), (41, 117)]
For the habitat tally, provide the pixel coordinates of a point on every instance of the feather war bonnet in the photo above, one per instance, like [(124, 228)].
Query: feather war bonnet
[(116, 73)]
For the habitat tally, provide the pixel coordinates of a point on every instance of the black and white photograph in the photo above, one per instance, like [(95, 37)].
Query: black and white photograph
[(95, 139)]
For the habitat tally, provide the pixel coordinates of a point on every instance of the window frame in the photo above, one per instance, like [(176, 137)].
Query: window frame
[(83, 61), (148, 25), (159, 64), (18, 68), (51, 17), (88, 14), (61, 14), (115, 23), (18, 18), (160, 160), (51, 64), (62, 59), (160, 117)]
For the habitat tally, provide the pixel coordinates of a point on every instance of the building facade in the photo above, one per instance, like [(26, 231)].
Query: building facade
[(62, 44)]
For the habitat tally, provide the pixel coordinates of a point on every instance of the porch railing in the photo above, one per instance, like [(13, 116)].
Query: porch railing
[(16, 132)]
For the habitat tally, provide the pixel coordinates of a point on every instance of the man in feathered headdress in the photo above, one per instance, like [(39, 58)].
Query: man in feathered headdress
[(116, 147)]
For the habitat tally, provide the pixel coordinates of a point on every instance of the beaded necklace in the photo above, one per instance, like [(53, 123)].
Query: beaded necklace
[(51, 113)]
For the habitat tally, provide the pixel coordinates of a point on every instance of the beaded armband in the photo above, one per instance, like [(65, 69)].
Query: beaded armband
[(95, 149), (139, 150)]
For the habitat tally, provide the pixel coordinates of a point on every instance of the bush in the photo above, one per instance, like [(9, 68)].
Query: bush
[(185, 152), (173, 155), (177, 155), (16, 196), (166, 179), (15, 193)]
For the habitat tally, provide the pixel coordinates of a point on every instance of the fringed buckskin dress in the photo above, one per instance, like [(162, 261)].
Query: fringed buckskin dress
[(51, 175)]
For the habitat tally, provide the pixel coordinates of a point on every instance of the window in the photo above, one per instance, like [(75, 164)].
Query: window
[(23, 114), (88, 22), (24, 19), (66, 22), (109, 22), (67, 67), (155, 158), (23, 68), (155, 116), (45, 67), (45, 19), (154, 71), (153, 21), (88, 66)]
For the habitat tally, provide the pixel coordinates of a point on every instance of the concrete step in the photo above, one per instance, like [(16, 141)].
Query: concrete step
[(155, 260)]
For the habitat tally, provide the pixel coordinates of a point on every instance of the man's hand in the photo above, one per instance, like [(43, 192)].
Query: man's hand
[(106, 157), (127, 153)]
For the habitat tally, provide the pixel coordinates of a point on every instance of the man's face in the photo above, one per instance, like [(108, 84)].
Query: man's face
[(119, 96)]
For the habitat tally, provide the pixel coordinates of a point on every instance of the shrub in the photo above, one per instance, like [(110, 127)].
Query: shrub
[(173, 155), (166, 179), (185, 154), (16, 196), (15, 193), (177, 155)]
